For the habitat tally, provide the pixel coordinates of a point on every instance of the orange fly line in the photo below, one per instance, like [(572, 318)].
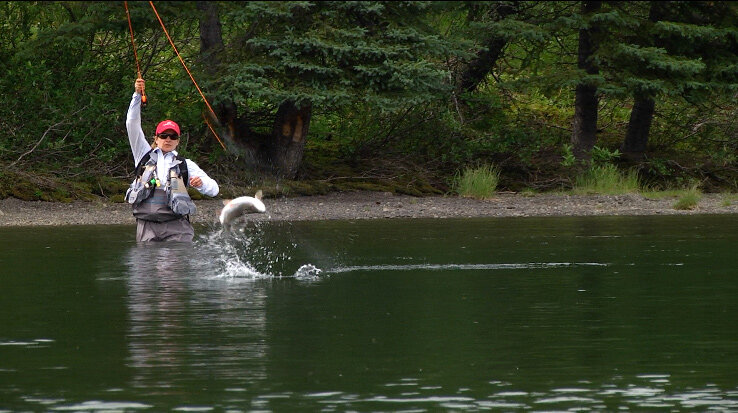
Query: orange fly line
[(189, 73), (130, 26), (135, 54)]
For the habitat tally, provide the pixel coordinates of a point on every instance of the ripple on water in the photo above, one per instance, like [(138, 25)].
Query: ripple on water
[(428, 399), (500, 405), (442, 267), (95, 405), (41, 400), (35, 343), (565, 399), (577, 398)]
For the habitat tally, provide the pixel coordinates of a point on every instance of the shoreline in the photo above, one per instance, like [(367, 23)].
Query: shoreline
[(370, 205)]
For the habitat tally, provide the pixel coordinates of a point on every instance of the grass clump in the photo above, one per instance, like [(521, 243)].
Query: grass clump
[(480, 182), (667, 193), (606, 180), (728, 200), (528, 192), (686, 198), (689, 199)]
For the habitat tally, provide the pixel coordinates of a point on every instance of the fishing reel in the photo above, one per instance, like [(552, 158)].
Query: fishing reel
[(153, 182)]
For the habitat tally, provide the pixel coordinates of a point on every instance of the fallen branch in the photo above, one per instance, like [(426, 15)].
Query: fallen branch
[(50, 128)]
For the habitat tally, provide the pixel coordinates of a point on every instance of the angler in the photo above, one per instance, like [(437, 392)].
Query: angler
[(161, 204)]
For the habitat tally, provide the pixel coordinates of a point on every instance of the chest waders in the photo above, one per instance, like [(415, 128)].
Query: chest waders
[(158, 201)]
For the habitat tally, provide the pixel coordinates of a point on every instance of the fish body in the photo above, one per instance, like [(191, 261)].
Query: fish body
[(239, 206)]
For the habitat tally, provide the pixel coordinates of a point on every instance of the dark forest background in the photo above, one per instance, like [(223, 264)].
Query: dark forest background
[(312, 97)]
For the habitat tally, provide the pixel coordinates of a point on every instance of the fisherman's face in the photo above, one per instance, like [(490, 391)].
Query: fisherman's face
[(167, 140)]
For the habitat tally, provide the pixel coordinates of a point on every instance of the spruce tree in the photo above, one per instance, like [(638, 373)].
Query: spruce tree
[(584, 128), (278, 61), (660, 50)]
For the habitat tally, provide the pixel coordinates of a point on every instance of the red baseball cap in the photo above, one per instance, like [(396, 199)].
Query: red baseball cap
[(167, 124)]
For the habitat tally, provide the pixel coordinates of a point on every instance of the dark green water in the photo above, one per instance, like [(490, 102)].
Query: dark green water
[(577, 314)]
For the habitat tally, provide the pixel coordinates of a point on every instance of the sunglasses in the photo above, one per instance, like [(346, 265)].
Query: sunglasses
[(171, 136)]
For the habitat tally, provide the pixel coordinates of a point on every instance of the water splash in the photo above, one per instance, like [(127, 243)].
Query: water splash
[(250, 253), (308, 272)]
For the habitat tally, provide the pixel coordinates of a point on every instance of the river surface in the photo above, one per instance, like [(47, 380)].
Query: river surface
[(535, 314)]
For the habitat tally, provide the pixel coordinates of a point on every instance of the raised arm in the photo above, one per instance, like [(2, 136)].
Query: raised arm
[(139, 145)]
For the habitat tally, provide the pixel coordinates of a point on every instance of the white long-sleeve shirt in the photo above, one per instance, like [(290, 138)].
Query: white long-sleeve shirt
[(140, 147)]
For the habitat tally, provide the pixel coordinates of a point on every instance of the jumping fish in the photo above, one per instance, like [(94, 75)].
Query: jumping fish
[(236, 207)]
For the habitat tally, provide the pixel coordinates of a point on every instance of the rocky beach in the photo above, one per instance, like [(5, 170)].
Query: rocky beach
[(372, 205)]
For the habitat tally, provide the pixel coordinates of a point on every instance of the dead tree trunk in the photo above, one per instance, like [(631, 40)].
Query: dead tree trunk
[(287, 144), (231, 125), (584, 134), (211, 46)]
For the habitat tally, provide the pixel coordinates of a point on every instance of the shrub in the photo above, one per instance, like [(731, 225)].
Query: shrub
[(480, 182)]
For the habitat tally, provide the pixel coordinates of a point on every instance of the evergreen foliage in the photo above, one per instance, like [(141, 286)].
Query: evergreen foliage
[(658, 48), (427, 87), (331, 54)]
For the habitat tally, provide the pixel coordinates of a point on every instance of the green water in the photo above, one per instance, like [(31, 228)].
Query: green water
[(549, 314)]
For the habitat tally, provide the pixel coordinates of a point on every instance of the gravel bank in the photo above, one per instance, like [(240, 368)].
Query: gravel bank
[(371, 205)]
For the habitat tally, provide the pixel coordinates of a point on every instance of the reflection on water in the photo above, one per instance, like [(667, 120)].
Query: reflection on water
[(182, 324), (585, 314)]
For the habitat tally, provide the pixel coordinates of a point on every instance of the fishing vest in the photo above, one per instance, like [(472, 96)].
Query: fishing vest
[(154, 200)]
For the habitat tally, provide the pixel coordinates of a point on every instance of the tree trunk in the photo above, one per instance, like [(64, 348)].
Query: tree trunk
[(641, 116), (639, 126), (211, 45), (211, 33), (281, 153), (476, 70), (287, 145), (231, 127), (584, 134)]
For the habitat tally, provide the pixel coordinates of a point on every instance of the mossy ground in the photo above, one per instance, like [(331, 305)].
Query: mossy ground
[(330, 172), (39, 186), (29, 186)]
